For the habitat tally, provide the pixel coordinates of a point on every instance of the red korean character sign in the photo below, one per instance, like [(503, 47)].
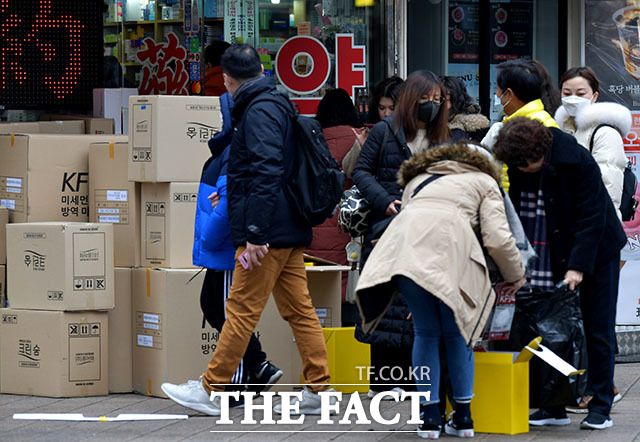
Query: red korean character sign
[(303, 66)]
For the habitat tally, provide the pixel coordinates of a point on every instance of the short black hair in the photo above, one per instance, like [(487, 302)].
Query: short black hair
[(213, 52), (241, 62), (337, 109), (521, 141), (522, 77)]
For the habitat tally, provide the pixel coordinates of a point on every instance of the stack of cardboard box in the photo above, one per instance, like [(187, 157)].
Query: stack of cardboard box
[(59, 268), (139, 195), (167, 149)]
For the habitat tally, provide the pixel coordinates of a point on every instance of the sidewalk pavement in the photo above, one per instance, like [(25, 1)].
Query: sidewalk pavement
[(625, 415)]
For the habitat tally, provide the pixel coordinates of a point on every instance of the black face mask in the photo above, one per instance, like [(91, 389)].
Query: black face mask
[(428, 111)]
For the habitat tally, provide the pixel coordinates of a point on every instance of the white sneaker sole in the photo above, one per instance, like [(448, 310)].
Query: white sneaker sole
[(206, 409), (459, 433), (428, 434), (273, 379), (551, 421), (603, 426)]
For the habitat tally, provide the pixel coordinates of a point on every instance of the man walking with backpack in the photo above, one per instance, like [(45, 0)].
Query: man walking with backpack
[(269, 233)]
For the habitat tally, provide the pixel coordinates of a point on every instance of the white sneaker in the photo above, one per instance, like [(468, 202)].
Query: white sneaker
[(310, 403), (192, 395), (371, 394)]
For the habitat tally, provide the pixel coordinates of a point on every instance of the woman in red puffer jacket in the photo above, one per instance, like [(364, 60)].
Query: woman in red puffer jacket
[(338, 117)]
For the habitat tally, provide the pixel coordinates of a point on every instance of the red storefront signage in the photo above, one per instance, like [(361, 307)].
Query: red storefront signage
[(350, 69), (164, 71)]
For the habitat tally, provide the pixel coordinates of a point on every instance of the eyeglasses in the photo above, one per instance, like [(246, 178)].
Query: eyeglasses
[(437, 100)]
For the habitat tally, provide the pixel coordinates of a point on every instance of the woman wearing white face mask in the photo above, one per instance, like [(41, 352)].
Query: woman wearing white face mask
[(580, 116)]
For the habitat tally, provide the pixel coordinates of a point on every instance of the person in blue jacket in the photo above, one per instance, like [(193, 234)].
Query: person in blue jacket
[(212, 249)]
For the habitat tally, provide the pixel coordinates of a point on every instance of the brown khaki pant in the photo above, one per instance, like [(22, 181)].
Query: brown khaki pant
[(283, 273)]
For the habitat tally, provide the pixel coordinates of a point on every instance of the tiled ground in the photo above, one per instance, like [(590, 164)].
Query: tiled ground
[(626, 417)]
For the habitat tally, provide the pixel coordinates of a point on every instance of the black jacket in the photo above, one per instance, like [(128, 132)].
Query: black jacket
[(261, 161), (394, 331), (582, 225), (379, 187), (376, 178)]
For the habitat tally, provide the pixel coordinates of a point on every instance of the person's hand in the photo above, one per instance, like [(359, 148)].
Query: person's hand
[(255, 253), (391, 208), (513, 287), (214, 198), (573, 278), (361, 134)]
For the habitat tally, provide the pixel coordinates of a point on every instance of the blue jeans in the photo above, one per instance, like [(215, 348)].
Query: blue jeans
[(433, 322)]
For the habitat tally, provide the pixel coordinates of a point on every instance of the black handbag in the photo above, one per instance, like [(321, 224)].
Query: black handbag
[(354, 209)]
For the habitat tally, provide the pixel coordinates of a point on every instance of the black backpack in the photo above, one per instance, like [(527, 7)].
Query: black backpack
[(317, 183), (628, 203)]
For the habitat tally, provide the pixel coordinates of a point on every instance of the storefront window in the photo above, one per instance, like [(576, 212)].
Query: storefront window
[(279, 20), (263, 24)]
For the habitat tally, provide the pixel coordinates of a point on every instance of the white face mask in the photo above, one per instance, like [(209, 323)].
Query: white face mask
[(497, 102), (572, 104)]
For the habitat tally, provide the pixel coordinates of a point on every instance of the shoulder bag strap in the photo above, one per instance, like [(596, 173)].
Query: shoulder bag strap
[(431, 179), (382, 147), (593, 134)]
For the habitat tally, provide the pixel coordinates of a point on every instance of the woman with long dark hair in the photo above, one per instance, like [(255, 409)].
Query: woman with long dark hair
[(465, 120), (418, 122)]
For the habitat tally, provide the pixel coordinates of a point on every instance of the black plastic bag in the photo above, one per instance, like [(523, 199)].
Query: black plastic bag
[(557, 317)]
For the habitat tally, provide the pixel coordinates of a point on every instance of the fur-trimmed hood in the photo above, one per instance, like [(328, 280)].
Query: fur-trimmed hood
[(453, 158), (469, 122), (614, 114)]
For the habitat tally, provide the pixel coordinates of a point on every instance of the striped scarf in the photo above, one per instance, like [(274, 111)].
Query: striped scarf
[(534, 222)]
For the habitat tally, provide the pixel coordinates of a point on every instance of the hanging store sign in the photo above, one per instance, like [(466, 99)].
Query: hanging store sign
[(303, 66)]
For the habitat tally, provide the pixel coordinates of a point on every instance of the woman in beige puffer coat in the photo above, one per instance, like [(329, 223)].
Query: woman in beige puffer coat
[(580, 115), (430, 253)]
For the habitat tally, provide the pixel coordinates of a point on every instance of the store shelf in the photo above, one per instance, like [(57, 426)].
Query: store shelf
[(141, 22), (174, 21), (114, 23)]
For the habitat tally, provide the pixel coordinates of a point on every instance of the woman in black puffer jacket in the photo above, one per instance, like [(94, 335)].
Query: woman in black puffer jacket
[(419, 121)]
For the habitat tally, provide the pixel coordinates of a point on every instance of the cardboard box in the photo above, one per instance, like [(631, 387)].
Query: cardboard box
[(19, 128), (168, 136), (501, 387), (345, 355), (500, 393), (4, 220), (92, 125), (113, 103), (58, 354), (72, 127), (60, 266), (114, 199), (45, 177), (167, 213), (172, 342), (120, 334), (3, 286), (325, 288)]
